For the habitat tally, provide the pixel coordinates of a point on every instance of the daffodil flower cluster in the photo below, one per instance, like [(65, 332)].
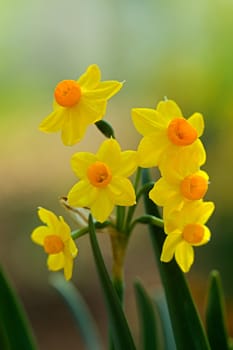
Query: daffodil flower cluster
[(103, 177), (169, 142), (172, 143)]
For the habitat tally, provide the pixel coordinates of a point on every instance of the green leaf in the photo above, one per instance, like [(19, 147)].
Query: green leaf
[(15, 331), (187, 326), (169, 341), (120, 330), (150, 325), (79, 309), (215, 314), (105, 128)]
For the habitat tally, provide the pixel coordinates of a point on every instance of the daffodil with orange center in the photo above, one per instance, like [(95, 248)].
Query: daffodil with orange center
[(166, 133), (181, 182), (186, 229), (77, 104), (56, 240), (103, 179)]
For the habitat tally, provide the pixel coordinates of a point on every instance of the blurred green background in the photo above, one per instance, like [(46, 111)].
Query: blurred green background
[(174, 48)]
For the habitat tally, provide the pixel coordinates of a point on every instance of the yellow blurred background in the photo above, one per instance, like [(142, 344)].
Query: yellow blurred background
[(174, 48)]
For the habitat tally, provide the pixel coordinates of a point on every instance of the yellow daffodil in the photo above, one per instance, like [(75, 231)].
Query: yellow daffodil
[(78, 104), (166, 132), (185, 229), (57, 242), (181, 182), (103, 179)]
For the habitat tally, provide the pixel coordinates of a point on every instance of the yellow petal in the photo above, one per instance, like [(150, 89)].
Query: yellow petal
[(71, 247), (55, 262), (197, 212), (54, 121), (197, 121), (90, 79), (173, 155), (162, 192), (122, 191), (68, 268), (203, 174), (38, 234), (104, 90), (146, 120), (48, 217), (80, 162), (151, 148), (200, 151), (63, 230), (169, 109), (92, 109), (110, 153), (103, 206), (82, 194), (186, 162), (184, 256), (128, 163), (169, 246), (175, 204), (73, 128)]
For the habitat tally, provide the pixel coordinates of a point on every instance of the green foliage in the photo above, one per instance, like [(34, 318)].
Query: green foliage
[(150, 323), (119, 327), (15, 332), (76, 304), (215, 314)]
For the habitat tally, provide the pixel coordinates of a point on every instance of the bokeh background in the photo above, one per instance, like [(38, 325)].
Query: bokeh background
[(174, 48)]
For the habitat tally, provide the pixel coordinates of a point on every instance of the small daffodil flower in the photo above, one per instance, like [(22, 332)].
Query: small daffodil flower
[(181, 182), (56, 240), (103, 179), (77, 104), (166, 132), (186, 228)]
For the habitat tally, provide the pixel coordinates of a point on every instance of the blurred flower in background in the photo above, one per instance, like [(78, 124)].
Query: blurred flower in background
[(179, 49)]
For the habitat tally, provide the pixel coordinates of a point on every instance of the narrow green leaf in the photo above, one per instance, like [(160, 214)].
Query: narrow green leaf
[(83, 319), (169, 341), (215, 314), (150, 325), (15, 331), (105, 128), (4, 340), (230, 344), (120, 330), (187, 326)]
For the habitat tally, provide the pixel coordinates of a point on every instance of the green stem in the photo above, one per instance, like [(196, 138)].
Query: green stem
[(119, 245), (118, 285), (147, 219), (119, 327), (120, 218), (84, 230), (144, 189), (137, 179), (132, 209)]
